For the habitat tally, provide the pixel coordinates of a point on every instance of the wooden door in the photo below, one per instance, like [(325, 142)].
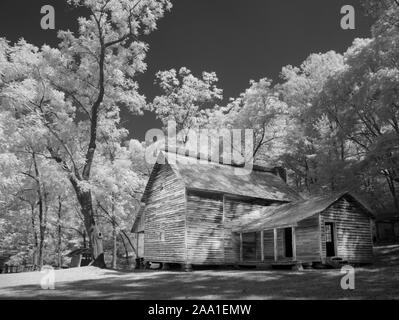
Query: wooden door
[(288, 242), (330, 239)]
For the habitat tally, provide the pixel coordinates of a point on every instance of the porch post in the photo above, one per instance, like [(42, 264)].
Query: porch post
[(262, 253), (275, 244), (138, 243), (293, 244), (241, 251)]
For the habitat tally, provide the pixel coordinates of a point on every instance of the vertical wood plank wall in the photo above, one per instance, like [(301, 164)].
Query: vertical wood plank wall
[(164, 237), (281, 244), (354, 239), (251, 246), (204, 228), (234, 208), (268, 245), (307, 240)]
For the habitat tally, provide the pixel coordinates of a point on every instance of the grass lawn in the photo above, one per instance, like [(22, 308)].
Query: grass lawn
[(378, 281)]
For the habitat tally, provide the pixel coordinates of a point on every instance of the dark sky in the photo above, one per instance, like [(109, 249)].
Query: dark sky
[(239, 40)]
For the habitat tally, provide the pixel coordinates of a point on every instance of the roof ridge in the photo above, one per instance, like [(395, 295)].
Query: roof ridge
[(201, 156)]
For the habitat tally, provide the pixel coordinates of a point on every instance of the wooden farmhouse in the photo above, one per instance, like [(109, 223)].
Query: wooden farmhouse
[(197, 212)]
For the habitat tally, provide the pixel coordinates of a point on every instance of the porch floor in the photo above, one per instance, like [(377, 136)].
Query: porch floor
[(270, 262)]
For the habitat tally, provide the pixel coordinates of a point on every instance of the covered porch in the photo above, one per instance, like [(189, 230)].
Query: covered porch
[(271, 246)]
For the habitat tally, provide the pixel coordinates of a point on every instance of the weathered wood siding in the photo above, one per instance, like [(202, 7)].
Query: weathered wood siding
[(164, 237), (233, 209), (307, 238), (353, 231), (281, 244), (251, 245), (268, 244), (205, 234)]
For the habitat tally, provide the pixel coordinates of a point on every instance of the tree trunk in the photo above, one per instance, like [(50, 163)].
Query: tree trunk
[(95, 236), (59, 249), (126, 251), (114, 234), (59, 257), (97, 245), (114, 248), (307, 176), (84, 239), (41, 246), (41, 194), (130, 242), (35, 238)]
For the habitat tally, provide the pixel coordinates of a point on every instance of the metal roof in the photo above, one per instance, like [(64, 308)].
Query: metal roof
[(290, 214), (198, 174)]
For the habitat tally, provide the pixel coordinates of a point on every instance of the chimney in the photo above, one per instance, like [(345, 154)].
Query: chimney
[(281, 172)]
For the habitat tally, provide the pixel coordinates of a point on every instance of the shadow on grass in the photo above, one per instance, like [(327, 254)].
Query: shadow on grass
[(379, 281), (324, 284)]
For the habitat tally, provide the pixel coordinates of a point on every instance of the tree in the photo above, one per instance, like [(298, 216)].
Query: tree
[(311, 142), (185, 99), (115, 184), (259, 108), (70, 89), (378, 8), (367, 112)]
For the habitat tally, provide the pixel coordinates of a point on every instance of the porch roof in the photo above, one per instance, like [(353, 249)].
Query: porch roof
[(291, 213)]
